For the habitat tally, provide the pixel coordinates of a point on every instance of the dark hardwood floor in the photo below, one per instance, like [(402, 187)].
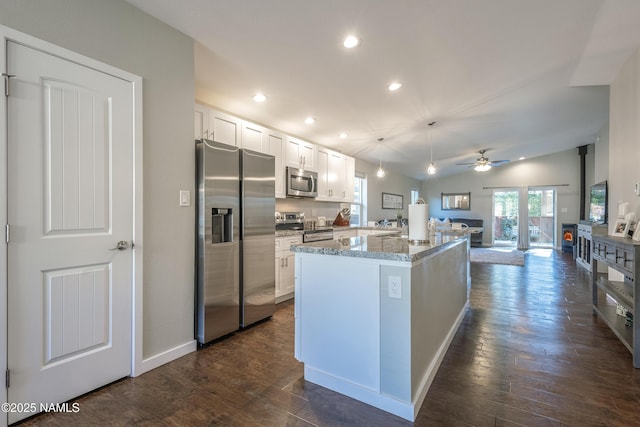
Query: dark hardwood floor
[(528, 353)]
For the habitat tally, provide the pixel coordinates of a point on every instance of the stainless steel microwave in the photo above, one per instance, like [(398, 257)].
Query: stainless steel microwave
[(301, 183)]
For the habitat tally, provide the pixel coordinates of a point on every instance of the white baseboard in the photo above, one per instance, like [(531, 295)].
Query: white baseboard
[(165, 357)]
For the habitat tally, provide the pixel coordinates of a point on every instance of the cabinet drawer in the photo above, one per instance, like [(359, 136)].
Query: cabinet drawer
[(624, 258), (284, 243)]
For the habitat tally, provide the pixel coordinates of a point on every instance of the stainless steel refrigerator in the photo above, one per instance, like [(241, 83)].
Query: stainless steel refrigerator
[(236, 238)]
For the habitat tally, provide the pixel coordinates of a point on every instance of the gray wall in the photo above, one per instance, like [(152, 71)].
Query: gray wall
[(554, 169), (391, 183), (120, 35)]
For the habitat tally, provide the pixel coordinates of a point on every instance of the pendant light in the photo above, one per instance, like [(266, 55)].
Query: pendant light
[(431, 169), (380, 173)]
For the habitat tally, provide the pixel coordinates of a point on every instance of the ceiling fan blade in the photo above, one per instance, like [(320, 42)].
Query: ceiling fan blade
[(498, 162), (466, 164)]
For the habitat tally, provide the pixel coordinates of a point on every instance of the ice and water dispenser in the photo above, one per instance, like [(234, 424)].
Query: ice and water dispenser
[(221, 225)]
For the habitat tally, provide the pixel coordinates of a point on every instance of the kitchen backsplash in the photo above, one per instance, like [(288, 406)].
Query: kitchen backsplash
[(310, 207)]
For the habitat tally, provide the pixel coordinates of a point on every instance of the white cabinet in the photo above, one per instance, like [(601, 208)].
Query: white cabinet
[(300, 153), (285, 267), (335, 176), (268, 141), (217, 126), (335, 170), (349, 181), (201, 122)]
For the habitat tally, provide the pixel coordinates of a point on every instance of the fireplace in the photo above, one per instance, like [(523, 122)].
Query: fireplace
[(569, 237)]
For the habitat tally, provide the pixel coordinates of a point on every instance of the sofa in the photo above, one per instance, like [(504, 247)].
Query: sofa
[(477, 226)]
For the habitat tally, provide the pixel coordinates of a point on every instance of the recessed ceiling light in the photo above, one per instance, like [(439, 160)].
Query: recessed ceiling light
[(350, 42), (343, 135), (259, 97), (309, 120), (395, 86), (521, 158)]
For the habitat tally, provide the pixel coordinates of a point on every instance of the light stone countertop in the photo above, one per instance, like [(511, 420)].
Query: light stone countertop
[(285, 233), (392, 248)]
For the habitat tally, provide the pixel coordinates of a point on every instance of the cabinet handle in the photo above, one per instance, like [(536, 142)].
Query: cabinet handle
[(610, 253), (287, 262)]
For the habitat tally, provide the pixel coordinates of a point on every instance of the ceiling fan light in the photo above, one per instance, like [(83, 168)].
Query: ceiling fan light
[(431, 170), (482, 168)]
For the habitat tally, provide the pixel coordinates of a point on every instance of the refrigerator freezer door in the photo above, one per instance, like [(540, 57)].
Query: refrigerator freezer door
[(258, 237), (218, 246)]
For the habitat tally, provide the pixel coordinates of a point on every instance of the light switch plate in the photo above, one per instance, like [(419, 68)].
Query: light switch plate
[(185, 198)]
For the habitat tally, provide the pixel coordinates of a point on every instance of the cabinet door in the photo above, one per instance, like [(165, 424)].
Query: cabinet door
[(225, 128), (322, 158), (336, 177), (254, 137), (299, 152), (308, 153), (275, 143), (349, 181), (287, 279), (201, 122)]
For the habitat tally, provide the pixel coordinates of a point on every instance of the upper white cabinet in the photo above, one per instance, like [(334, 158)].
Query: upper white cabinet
[(201, 123), (350, 178), (335, 170), (217, 126), (265, 140), (299, 153), (335, 176), (226, 128)]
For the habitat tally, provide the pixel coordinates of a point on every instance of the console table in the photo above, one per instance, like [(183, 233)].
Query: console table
[(621, 254)]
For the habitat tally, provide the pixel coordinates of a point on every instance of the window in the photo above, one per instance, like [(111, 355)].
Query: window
[(359, 205), (414, 196)]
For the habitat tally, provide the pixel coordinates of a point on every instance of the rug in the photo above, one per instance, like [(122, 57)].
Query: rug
[(497, 256)]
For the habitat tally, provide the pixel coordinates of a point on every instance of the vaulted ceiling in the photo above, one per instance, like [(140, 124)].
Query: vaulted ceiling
[(519, 78)]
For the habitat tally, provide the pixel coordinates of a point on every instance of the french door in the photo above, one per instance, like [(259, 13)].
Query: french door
[(524, 226), (542, 220), (505, 217)]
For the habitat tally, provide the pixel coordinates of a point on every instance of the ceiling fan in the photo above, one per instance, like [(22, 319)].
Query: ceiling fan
[(483, 164)]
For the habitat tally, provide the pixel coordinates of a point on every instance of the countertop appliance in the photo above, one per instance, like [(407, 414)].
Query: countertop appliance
[(301, 183), (236, 238), (289, 220), (317, 235)]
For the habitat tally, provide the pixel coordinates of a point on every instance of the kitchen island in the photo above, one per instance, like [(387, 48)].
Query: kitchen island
[(374, 315)]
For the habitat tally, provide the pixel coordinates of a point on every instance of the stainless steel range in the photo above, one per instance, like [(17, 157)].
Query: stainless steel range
[(295, 221), (289, 220), (317, 235)]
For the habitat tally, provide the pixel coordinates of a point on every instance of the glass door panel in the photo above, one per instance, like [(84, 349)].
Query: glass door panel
[(542, 207), (505, 217)]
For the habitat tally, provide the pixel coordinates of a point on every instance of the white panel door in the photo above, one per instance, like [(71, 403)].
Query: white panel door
[(70, 199)]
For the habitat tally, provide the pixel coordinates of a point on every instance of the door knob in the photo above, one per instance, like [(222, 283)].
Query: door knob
[(120, 246)]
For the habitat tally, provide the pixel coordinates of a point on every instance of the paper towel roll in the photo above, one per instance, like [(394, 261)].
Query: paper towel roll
[(418, 216)]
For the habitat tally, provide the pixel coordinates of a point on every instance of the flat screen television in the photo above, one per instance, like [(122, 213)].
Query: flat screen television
[(598, 203)]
